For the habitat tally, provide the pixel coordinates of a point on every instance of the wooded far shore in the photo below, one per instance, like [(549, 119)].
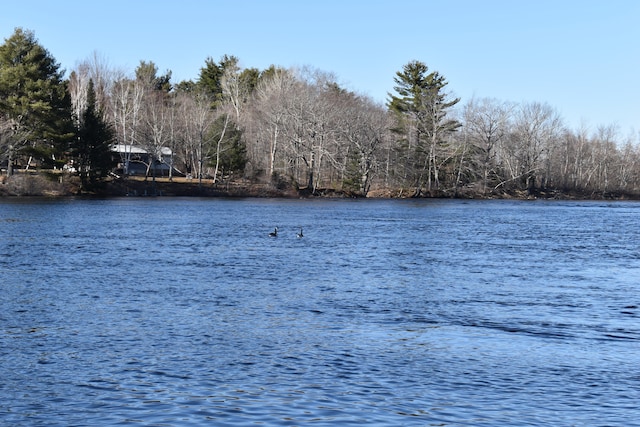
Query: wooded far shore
[(46, 184), (286, 133)]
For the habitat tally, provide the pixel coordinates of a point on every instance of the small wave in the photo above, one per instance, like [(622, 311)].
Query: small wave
[(619, 337), (11, 220), (518, 329), (93, 386)]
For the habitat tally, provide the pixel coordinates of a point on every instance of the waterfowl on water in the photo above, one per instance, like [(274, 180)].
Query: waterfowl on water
[(274, 233), (300, 235)]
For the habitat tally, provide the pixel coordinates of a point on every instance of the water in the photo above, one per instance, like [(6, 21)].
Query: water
[(183, 312)]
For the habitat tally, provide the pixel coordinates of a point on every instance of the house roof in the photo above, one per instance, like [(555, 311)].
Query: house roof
[(135, 149)]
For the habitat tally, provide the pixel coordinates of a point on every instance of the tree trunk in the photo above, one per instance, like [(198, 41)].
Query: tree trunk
[(10, 161), (311, 167), (224, 131), (272, 152)]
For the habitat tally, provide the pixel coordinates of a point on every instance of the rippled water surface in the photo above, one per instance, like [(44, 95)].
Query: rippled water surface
[(180, 312)]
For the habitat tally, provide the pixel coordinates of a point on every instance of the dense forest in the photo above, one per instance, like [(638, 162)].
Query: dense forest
[(295, 128)]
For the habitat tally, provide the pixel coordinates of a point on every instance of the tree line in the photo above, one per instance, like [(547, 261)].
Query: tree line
[(296, 128)]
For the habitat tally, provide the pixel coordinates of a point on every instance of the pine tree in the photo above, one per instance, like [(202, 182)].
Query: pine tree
[(212, 74), (422, 109), (34, 102), (92, 149)]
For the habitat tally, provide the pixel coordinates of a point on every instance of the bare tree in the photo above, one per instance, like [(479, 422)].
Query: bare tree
[(97, 69), (486, 123), (536, 128), (364, 127), (221, 136), (233, 93), (196, 117), (126, 105), (310, 126), (78, 85), (606, 153), (629, 166), (156, 127), (175, 128), (270, 110)]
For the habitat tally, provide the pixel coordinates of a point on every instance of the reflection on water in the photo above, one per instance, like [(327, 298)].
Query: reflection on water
[(184, 312)]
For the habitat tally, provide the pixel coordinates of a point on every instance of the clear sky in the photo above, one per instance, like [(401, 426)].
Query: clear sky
[(581, 57)]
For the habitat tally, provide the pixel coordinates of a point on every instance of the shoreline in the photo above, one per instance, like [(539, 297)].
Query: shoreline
[(58, 186)]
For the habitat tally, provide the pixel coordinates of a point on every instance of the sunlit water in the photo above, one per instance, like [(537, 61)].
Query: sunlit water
[(180, 312)]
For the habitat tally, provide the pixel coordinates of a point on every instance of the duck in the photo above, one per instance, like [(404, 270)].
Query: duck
[(300, 235), (274, 233)]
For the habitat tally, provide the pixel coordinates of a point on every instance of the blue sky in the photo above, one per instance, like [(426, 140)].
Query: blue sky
[(581, 57)]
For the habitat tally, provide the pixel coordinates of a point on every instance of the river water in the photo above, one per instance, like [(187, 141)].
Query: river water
[(184, 312)]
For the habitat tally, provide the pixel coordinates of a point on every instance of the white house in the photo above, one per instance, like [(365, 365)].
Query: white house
[(135, 160)]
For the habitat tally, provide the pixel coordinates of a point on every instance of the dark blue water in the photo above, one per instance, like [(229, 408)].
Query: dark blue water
[(182, 312)]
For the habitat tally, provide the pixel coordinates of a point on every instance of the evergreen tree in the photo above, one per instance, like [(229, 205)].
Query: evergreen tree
[(422, 108), (92, 150), (210, 79), (211, 76), (147, 73), (249, 78), (34, 102)]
